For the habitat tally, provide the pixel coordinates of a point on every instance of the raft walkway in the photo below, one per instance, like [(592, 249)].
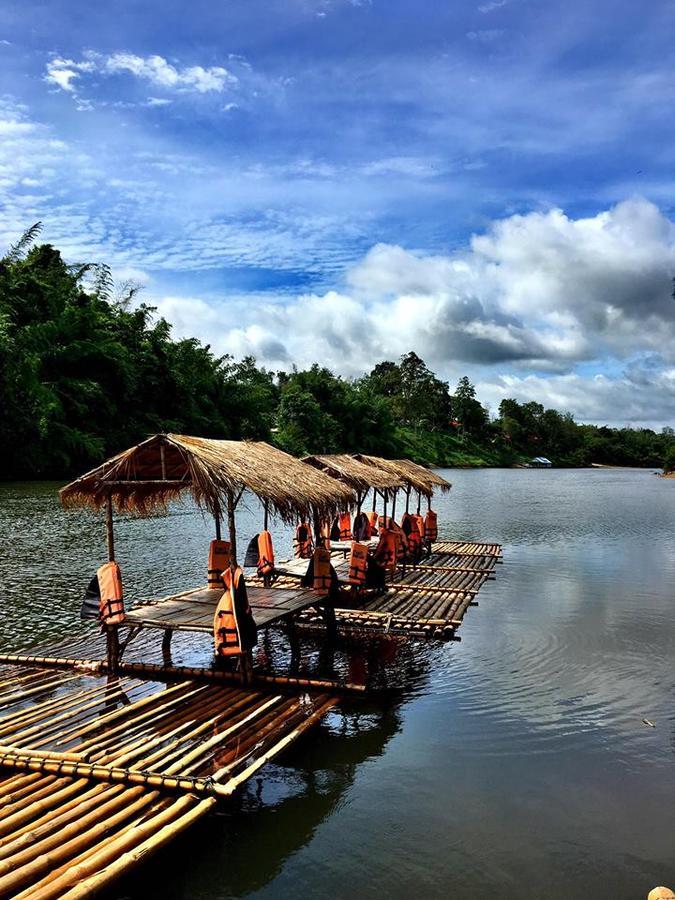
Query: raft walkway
[(98, 771), (101, 771), (428, 600)]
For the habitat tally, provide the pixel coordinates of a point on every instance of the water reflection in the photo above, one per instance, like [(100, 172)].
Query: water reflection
[(515, 763)]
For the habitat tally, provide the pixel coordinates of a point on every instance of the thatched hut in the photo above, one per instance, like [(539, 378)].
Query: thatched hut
[(357, 475), (413, 476), (146, 477)]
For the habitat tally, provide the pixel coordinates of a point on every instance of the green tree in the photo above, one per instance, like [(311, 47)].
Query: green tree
[(669, 460)]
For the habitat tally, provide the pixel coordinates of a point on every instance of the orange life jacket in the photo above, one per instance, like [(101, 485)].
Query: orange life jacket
[(385, 522), (304, 545), (324, 534), (265, 554), (372, 519), (321, 570), (227, 637), (111, 603), (345, 527), (219, 560), (419, 521), (387, 550), (430, 526), (414, 541), (358, 564)]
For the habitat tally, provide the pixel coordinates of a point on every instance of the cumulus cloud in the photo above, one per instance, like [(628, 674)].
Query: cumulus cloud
[(532, 298), (67, 74), (637, 397)]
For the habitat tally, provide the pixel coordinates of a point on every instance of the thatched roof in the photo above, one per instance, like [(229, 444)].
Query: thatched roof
[(144, 478), (357, 475), (417, 477)]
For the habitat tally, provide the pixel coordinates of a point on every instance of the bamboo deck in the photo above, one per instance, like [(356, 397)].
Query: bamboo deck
[(194, 610), (100, 772), (428, 600)]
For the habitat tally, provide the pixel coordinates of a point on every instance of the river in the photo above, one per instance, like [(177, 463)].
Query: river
[(515, 764)]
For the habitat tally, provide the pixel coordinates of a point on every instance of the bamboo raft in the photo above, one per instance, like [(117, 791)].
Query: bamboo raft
[(103, 771), (428, 600), (109, 748)]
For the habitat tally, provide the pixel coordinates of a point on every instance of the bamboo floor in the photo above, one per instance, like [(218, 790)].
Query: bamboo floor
[(101, 771), (98, 771), (428, 600)]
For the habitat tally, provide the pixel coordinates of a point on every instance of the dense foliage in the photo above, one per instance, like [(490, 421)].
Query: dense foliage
[(86, 371)]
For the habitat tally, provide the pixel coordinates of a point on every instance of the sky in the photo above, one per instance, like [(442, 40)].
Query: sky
[(490, 183)]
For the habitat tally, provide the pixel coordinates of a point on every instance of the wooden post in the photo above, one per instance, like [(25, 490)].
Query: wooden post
[(407, 500), (419, 502), (393, 505), (266, 517), (232, 526), (374, 498), (109, 529), (384, 507), (111, 631), (217, 519)]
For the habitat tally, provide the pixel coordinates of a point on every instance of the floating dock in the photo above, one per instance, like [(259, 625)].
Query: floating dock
[(113, 742), (99, 772)]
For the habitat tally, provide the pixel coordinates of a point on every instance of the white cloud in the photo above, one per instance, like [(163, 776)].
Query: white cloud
[(67, 74), (541, 292), (64, 73), (640, 398), (158, 71), (491, 5)]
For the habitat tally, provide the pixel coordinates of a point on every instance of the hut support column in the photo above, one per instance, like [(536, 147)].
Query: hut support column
[(112, 638), (232, 526), (393, 505)]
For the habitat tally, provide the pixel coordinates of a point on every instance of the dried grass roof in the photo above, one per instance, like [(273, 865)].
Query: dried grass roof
[(414, 475), (145, 477), (358, 475)]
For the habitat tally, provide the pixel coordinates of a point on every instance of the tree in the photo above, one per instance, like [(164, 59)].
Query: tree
[(467, 410), (669, 460)]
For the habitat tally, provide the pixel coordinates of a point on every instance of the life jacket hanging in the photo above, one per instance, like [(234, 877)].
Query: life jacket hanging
[(419, 521), (387, 550), (322, 575), (303, 543), (345, 527), (219, 560), (111, 602), (431, 526), (373, 520), (265, 554), (358, 564), (234, 629)]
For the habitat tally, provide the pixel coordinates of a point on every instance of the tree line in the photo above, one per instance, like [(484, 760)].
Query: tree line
[(86, 370)]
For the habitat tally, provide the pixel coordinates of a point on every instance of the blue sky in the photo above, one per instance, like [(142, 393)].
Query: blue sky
[(489, 183)]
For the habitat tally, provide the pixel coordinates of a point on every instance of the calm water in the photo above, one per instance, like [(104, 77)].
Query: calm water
[(515, 764)]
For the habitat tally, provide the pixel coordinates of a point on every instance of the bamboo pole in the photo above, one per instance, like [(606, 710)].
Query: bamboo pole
[(233, 783), (93, 882), (232, 526)]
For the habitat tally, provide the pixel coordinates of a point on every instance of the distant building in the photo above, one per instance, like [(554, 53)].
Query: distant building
[(540, 462)]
